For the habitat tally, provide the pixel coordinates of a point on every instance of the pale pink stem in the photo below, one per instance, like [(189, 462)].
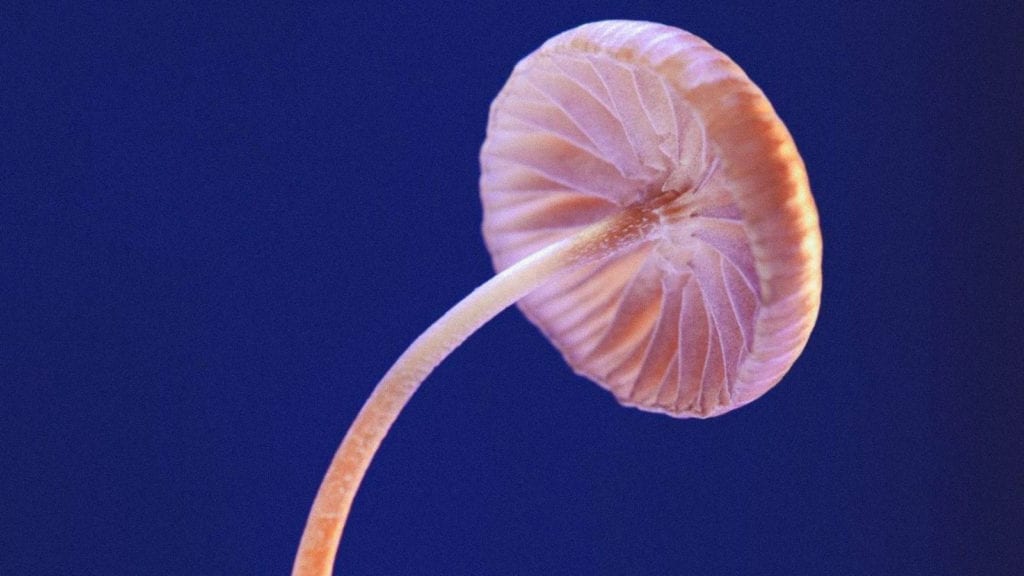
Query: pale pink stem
[(334, 499)]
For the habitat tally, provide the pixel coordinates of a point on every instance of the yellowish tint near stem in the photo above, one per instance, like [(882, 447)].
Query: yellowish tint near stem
[(334, 499)]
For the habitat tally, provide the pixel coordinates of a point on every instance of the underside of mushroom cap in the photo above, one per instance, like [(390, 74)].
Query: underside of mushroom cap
[(713, 308)]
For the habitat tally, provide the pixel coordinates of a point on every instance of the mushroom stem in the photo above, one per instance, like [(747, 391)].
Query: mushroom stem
[(326, 520)]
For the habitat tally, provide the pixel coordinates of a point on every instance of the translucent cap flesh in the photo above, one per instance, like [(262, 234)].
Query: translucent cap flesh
[(714, 307)]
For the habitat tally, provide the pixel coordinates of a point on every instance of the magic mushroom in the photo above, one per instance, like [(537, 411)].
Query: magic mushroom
[(649, 213)]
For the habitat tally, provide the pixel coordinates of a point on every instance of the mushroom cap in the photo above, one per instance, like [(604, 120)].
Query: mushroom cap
[(714, 306)]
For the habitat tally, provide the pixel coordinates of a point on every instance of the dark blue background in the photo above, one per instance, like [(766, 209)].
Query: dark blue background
[(220, 225)]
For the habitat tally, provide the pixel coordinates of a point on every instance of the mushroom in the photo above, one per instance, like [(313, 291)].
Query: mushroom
[(649, 213)]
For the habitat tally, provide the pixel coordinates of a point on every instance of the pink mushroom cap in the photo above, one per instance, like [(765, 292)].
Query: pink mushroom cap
[(712, 308)]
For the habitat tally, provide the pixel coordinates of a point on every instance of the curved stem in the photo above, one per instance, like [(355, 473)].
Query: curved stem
[(334, 499)]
